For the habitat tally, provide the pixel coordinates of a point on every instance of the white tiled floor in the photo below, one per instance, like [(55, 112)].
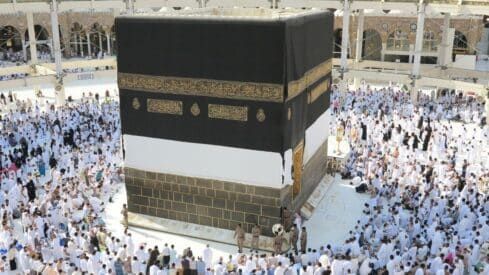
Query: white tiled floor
[(336, 214)]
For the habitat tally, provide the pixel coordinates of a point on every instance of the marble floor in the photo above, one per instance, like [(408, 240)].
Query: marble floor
[(336, 214)]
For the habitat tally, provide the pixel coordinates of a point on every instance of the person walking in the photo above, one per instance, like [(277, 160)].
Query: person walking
[(125, 215), (294, 237), (239, 234), (255, 233), (303, 239)]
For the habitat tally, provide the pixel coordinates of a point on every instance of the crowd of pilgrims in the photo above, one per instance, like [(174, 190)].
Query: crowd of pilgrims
[(424, 182)]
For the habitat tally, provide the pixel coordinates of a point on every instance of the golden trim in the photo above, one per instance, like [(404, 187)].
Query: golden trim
[(297, 86), (298, 158), (202, 87), (164, 106), (319, 90), (238, 113), (221, 88)]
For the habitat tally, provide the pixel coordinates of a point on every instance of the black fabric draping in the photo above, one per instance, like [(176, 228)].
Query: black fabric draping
[(250, 134), (308, 44), (247, 51), (258, 51)]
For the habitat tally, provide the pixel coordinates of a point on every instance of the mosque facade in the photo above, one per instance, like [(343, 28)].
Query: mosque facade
[(387, 37)]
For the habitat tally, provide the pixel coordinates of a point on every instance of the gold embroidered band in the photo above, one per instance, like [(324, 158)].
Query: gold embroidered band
[(239, 113), (164, 106), (221, 88), (296, 87), (202, 87), (319, 90)]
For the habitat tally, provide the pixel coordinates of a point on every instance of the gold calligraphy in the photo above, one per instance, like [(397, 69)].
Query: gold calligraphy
[(202, 87), (164, 106), (297, 86), (238, 113)]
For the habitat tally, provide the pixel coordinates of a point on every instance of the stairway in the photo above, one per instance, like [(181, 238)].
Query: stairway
[(483, 45), (316, 196)]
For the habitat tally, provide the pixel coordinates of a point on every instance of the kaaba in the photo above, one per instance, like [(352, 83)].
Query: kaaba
[(224, 112)]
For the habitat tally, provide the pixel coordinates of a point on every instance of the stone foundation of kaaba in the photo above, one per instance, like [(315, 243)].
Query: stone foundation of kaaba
[(224, 112), (202, 201)]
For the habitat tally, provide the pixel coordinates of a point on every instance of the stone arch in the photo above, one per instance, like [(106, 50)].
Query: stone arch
[(78, 40), (43, 42), (113, 40), (98, 39), (62, 39), (10, 40), (371, 45), (460, 43), (430, 41), (398, 41), (40, 33), (337, 36)]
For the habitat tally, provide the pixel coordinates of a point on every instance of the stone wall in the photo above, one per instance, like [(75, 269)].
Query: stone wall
[(202, 201)]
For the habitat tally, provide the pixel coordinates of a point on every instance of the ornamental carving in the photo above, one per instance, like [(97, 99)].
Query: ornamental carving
[(195, 110), (164, 106), (311, 76), (238, 113), (260, 115), (202, 87), (135, 104)]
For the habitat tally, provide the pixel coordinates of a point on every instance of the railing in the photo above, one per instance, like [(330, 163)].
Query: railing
[(31, 1), (427, 48), (476, 2), (453, 2), (404, 1), (404, 48)]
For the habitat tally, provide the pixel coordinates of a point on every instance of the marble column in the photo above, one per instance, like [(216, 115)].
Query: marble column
[(442, 53), (76, 44), (382, 53), (100, 42), (358, 50), (345, 35), (418, 46), (32, 37), (81, 44), (107, 33), (89, 48), (59, 91), (24, 49)]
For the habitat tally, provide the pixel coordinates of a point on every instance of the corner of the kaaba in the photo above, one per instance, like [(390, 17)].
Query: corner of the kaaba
[(252, 87), (309, 70)]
